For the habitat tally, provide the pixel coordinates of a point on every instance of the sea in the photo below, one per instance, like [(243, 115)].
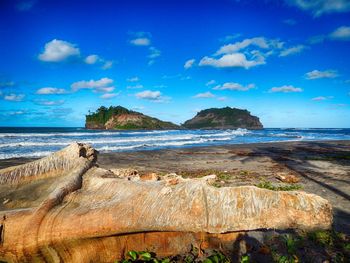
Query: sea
[(39, 141)]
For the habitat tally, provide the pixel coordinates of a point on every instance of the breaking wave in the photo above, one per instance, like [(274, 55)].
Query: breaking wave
[(38, 142)]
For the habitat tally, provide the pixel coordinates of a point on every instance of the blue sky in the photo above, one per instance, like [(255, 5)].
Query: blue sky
[(285, 61)]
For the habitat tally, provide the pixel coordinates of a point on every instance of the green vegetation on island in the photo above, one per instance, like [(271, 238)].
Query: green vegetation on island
[(224, 118), (120, 118)]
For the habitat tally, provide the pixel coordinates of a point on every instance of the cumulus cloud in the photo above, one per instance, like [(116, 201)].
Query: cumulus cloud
[(154, 96), (50, 90), (49, 102), (285, 89), (107, 64), (259, 42), (247, 53), (14, 97), (137, 86), (133, 79), (292, 50), (234, 86), (320, 7), (232, 60), (232, 48), (210, 82), (149, 95), (101, 85), (95, 59), (189, 63), (316, 74), (58, 50), (207, 94), (91, 59), (341, 33), (108, 95), (141, 41)]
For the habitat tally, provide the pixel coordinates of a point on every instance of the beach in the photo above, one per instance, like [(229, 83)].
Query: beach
[(321, 167)]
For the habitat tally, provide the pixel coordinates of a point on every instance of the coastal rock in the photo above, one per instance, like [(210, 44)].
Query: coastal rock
[(224, 118), (120, 118), (287, 178), (63, 208)]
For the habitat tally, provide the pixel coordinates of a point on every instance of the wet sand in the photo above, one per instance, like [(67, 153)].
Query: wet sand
[(323, 167)]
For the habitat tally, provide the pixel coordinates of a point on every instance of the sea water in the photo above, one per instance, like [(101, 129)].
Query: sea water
[(38, 142)]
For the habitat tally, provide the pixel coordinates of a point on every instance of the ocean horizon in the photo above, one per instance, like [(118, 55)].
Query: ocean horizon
[(30, 142)]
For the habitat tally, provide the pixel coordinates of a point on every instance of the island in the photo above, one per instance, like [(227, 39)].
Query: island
[(120, 118), (223, 118)]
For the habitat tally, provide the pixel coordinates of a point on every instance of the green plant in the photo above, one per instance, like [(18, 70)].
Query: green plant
[(245, 259), (286, 187)]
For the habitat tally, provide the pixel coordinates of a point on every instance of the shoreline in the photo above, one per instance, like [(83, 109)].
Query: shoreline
[(21, 160)]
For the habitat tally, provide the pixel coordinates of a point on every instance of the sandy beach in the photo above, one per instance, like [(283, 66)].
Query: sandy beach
[(322, 167)]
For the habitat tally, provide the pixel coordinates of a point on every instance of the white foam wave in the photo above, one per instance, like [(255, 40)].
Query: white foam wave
[(169, 143), (169, 137), (25, 155), (78, 134)]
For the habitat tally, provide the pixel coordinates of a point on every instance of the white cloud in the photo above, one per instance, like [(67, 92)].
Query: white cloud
[(14, 97), (234, 86), (292, 50), (247, 53), (233, 60), (141, 41), (137, 86), (320, 7), (58, 50), (107, 64), (207, 94), (285, 89), (316, 74), (259, 42), (320, 98), (149, 95), (49, 102), (92, 59), (101, 85), (108, 95), (341, 33), (50, 90), (210, 82), (189, 63), (133, 79), (154, 52)]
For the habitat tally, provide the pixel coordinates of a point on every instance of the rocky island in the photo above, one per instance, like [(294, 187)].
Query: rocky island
[(120, 118), (224, 118)]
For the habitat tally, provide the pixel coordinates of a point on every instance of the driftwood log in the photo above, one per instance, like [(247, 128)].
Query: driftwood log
[(63, 208)]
